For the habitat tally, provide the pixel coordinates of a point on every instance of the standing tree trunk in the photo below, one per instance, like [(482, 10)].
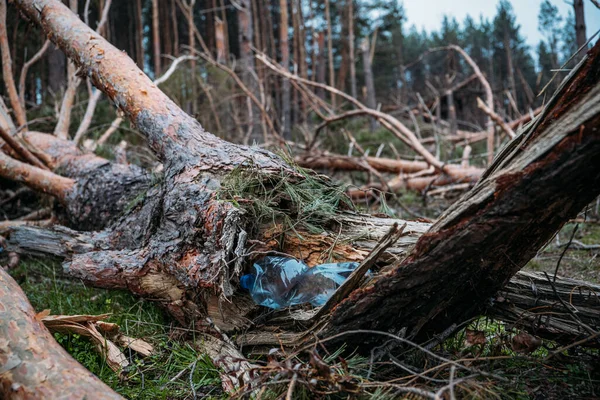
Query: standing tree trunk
[(451, 106), (369, 83), (285, 63), (220, 41), (512, 87), (342, 73), (175, 28), (155, 38), (7, 70), (351, 58), (247, 66), (57, 74), (192, 44), (139, 34), (321, 63), (330, 50), (225, 27), (580, 33), (61, 129)]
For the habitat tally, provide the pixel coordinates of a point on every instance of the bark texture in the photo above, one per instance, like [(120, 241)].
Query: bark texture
[(565, 310)]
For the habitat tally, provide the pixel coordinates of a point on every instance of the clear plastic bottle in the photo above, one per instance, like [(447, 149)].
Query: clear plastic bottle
[(280, 282)]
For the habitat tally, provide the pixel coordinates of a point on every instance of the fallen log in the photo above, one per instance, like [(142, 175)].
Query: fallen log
[(564, 310), (32, 364), (412, 175), (345, 163)]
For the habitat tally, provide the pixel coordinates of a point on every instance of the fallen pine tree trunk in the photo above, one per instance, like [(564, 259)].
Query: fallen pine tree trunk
[(182, 243), (411, 172), (32, 364)]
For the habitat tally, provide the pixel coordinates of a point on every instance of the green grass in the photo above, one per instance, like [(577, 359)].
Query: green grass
[(145, 378), (570, 375), (577, 263)]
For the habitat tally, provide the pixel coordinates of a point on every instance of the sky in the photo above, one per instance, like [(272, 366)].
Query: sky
[(428, 14)]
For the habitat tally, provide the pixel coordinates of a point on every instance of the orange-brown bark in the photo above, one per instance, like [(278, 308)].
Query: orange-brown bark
[(19, 149)]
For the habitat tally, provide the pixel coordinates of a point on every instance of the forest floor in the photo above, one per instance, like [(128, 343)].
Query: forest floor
[(166, 374)]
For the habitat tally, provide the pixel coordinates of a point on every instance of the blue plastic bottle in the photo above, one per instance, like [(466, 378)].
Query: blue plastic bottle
[(280, 282)]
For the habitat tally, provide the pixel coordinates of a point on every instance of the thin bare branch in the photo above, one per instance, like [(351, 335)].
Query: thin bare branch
[(489, 96), (496, 118), (64, 118), (7, 73), (36, 178), (36, 57), (246, 91), (389, 122), (21, 150)]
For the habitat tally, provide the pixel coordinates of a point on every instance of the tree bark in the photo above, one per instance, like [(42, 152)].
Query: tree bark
[(330, 50), (248, 70), (321, 64), (538, 303), (173, 13), (342, 73), (57, 74), (512, 86), (222, 55), (539, 181), (451, 107), (7, 70), (302, 65), (156, 38), (139, 34), (64, 118), (192, 44)]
